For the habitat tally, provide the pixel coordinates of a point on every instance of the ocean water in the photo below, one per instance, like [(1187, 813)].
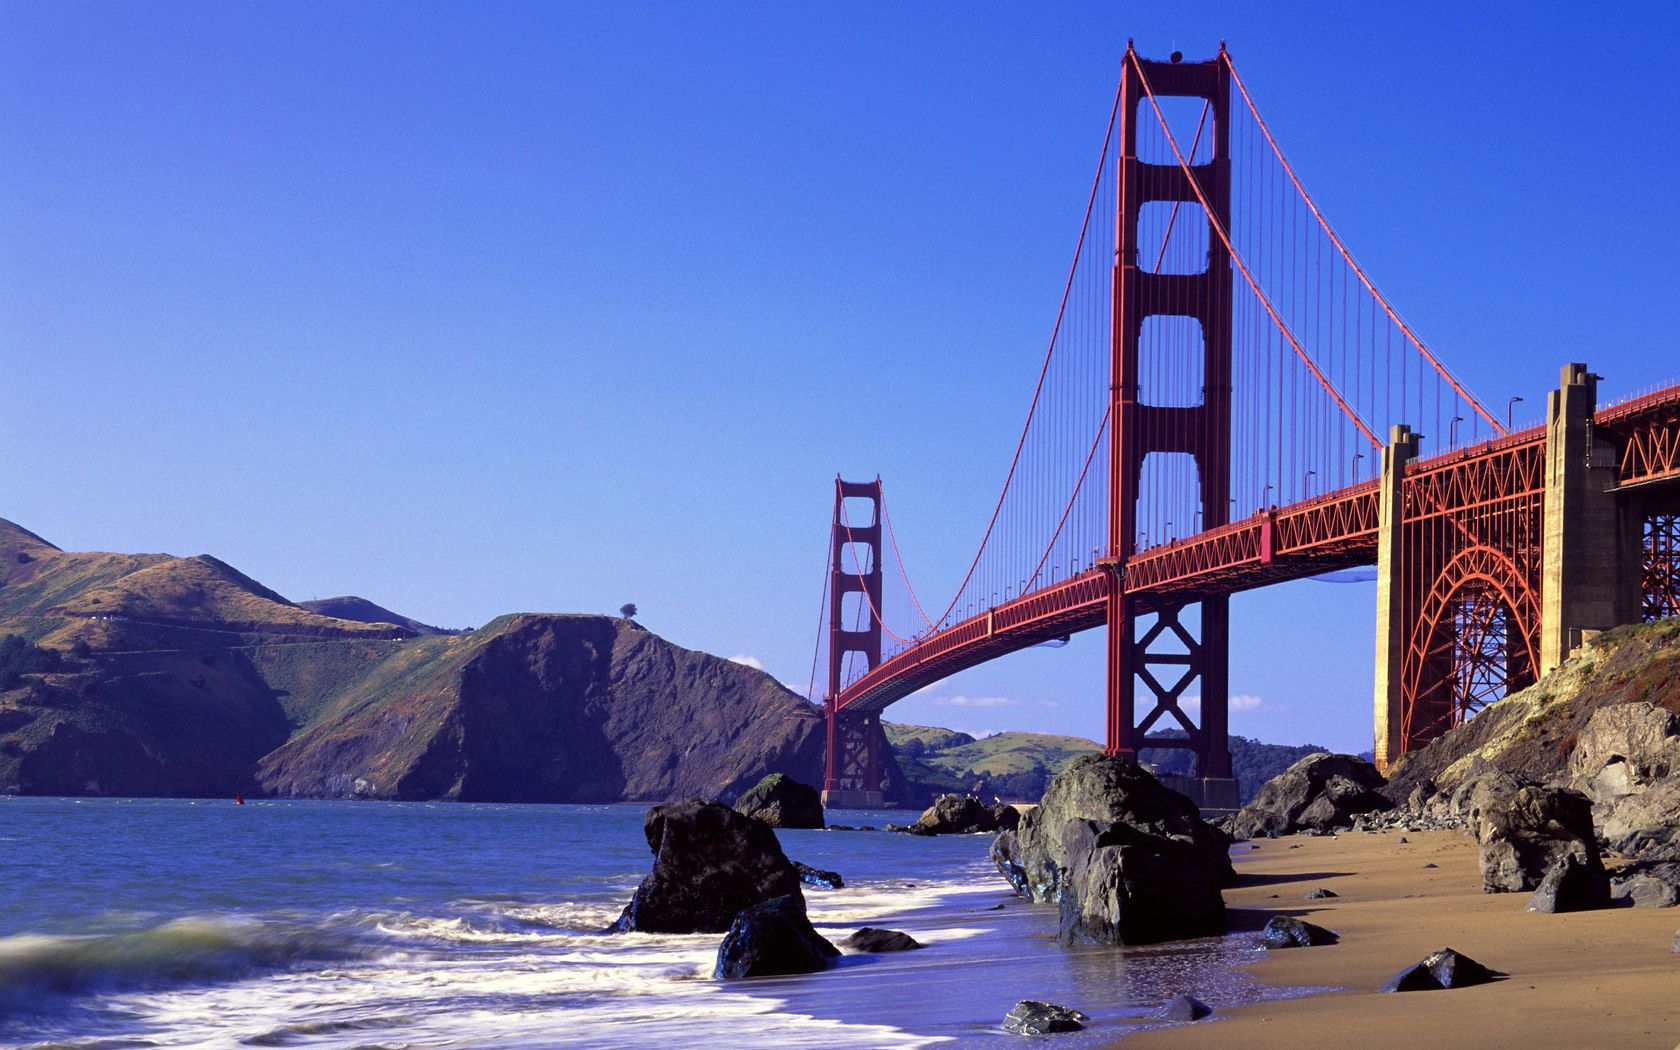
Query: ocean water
[(175, 923)]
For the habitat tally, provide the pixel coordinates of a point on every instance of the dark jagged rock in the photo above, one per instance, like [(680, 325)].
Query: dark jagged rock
[(772, 938), (870, 939), (709, 863), (965, 815), (1125, 886), (1439, 970), (1283, 931), (1111, 791), (782, 802), (1523, 829), (1031, 1017), (1006, 854), (1185, 1008), (828, 880), (1571, 885), (1318, 893), (1321, 792)]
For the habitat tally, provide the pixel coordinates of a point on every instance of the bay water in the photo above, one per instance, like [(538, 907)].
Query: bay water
[(130, 923)]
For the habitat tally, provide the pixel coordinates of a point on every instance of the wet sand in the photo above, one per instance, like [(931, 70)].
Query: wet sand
[(1588, 979)]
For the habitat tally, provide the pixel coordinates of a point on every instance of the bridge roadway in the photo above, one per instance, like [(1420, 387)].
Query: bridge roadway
[(1314, 536)]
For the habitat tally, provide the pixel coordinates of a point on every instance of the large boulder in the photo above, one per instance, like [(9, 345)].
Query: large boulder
[(1110, 791), (964, 815), (1320, 793), (1622, 748), (1524, 829), (1636, 824), (782, 802), (1125, 886), (1286, 931), (709, 863), (1006, 854), (770, 939), (870, 939)]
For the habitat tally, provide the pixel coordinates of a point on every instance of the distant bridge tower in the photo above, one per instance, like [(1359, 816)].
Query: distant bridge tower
[(1174, 653), (853, 779)]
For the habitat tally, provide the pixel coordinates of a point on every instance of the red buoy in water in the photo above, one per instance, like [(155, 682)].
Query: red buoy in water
[(239, 800)]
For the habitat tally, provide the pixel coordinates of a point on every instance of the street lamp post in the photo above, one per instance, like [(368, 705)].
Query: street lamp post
[(1508, 406), (1452, 431), (1353, 466)]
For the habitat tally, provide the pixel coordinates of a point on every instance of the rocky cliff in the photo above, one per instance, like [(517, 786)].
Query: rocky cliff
[(182, 676)]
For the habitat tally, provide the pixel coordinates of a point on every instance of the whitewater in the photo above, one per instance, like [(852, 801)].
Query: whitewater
[(134, 923)]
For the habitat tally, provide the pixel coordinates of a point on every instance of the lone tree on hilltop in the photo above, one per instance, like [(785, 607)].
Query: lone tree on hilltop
[(627, 610)]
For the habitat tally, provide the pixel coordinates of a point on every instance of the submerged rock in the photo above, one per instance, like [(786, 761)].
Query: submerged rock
[(1006, 854), (771, 939), (1283, 931), (828, 880), (869, 939), (709, 863), (1439, 970), (1321, 792), (782, 802), (1185, 1008), (1031, 1017)]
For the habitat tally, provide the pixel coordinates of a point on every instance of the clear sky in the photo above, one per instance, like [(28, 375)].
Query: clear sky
[(473, 309)]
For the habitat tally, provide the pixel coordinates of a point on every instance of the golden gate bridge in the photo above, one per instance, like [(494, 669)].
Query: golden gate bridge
[(1227, 401)]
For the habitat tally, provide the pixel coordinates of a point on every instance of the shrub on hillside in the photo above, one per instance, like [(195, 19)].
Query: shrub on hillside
[(19, 656)]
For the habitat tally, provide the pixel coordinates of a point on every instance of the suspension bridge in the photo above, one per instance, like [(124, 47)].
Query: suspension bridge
[(1227, 401)]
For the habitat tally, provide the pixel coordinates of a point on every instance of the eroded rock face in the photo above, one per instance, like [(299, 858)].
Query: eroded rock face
[(1523, 829), (709, 864), (1125, 886), (782, 802), (1623, 748), (1320, 792), (1108, 791), (1635, 824), (770, 939), (1006, 854)]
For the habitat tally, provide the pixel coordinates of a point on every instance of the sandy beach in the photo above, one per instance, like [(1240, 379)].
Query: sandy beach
[(1592, 979)]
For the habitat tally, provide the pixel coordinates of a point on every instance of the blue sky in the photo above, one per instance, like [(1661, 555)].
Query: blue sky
[(474, 309)]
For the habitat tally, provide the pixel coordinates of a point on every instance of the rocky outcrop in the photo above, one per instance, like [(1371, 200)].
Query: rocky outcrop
[(1524, 829), (1109, 791), (869, 939), (1031, 1017), (1647, 884), (1006, 854), (1321, 792), (1536, 732), (772, 939), (782, 802), (1645, 821), (1125, 886), (709, 864), (1440, 970), (965, 815), (1624, 748)]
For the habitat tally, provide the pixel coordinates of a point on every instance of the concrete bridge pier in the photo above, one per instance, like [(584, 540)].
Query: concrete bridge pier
[(1591, 567), (1391, 620)]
